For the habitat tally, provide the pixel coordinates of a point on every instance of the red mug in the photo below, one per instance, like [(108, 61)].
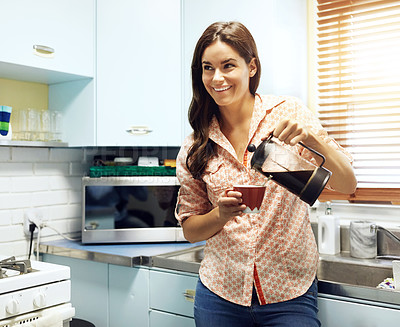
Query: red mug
[(252, 196)]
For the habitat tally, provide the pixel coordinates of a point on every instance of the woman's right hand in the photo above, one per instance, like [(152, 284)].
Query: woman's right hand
[(230, 205)]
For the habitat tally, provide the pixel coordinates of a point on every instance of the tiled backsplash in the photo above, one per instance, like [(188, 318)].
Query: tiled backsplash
[(48, 179)]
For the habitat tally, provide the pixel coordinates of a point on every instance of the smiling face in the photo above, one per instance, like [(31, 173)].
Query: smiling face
[(226, 74)]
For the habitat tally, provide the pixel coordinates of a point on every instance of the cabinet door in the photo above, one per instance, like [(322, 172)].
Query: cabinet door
[(139, 73), (172, 292), (279, 29), (129, 296), (89, 288), (67, 26), (333, 312), (164, 319)]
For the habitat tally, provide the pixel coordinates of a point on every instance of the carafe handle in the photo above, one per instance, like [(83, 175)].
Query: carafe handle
[(313, 151)]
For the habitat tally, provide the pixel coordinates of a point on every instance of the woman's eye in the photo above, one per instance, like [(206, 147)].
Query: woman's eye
[(207, 67), (227, 66)]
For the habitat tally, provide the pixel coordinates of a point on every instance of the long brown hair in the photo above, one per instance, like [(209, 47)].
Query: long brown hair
[(203, 107)]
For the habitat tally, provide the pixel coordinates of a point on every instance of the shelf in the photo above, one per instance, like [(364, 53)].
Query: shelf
[(37, 75), (37, 144)]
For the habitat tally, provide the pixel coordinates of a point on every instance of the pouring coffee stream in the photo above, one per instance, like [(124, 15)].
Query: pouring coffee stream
[(289, 170)]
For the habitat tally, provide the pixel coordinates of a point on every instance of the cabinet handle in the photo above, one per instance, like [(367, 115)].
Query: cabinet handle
[(43, 51), (189, 295), (139, 130)]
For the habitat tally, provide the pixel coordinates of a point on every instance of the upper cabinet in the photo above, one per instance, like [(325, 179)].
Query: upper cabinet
[(139, 86), (47, 41)]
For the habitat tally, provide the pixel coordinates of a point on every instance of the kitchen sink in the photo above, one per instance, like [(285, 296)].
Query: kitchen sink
[(185, 260), (344, 276), (361, 272)]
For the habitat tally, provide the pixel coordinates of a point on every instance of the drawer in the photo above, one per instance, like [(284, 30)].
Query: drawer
[(172, 292), (164, 319)]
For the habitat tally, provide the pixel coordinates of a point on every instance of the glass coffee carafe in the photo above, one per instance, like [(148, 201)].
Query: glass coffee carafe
[(285, 167)]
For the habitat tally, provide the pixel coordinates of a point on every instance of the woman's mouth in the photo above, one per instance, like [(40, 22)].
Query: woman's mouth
[(222, 89)]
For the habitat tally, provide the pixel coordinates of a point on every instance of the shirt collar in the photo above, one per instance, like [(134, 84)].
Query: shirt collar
[(262, 106)]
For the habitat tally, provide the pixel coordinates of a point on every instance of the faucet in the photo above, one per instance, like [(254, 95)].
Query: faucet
[(386, 246)]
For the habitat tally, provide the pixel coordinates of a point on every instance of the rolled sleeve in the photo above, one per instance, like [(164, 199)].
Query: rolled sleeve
[(192, 197)]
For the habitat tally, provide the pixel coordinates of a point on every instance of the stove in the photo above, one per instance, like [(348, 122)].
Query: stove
[(34, 288)]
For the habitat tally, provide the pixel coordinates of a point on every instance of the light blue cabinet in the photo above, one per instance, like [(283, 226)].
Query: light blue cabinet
[(68, 28), (64, 26), (139, 73), (172, 292), (128, 296), (110, 295), (89, 288), (107, 295), (165, 319), (337, 311)]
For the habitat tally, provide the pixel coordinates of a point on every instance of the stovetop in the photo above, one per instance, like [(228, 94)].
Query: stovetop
[(21, 274), (13, 267)]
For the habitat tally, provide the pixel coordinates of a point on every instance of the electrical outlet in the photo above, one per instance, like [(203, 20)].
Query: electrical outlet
[(35, 216)]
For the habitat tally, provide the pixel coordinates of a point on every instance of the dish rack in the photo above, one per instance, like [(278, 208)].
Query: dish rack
[(57, 316), (111, 171)]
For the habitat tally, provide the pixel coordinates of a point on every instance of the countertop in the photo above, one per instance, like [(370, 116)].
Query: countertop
[(119, 254), (339, 275)]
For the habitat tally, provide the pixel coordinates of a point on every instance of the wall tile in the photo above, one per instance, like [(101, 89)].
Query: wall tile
[(30, 183), (49, 169), (66, 155), (18, 248), (21, 154), (5, 154), (15, 200), (42, 178), (49, 198), (5, 217), (16, 169), (11, 233), (5, 184)]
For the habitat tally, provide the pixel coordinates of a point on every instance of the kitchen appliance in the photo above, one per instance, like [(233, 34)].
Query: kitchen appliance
[(130, 209), (285, 167), (34, 291)]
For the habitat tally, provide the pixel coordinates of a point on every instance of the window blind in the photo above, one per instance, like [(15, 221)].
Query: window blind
[(358, 55)]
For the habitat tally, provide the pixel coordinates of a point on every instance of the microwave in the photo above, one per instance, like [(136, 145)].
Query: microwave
[(132, 209)]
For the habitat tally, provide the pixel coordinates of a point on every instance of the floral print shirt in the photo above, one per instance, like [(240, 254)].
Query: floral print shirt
[(274, 250)]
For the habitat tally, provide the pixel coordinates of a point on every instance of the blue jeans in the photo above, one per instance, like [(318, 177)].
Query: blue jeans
[(210, 310)]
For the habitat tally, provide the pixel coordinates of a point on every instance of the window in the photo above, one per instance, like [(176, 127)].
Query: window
[(358, 77)]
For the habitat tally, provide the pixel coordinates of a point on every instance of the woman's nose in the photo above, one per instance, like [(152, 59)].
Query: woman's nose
[(218, 76)]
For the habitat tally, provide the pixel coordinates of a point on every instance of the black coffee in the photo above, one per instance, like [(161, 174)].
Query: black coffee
[(294, 181)]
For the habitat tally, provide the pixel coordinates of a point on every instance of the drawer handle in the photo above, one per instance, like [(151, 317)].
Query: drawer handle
[(43, 51), (189, 295), (139, 130)]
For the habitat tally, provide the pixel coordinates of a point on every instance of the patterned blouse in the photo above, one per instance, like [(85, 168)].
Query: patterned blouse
[(274, 250)]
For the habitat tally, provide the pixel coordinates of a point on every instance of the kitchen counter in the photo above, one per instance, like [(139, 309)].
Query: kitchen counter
[(128, 255), (339, 275)]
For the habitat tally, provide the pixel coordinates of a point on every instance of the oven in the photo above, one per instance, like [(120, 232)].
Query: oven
[(34, 293)]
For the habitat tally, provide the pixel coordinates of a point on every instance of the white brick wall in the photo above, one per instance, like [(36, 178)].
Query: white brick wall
[(48, 179)]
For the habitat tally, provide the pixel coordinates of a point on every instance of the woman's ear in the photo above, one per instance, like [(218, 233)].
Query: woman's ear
[(252, 67)]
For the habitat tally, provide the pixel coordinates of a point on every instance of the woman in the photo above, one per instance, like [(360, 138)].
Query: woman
[(258, 269)]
